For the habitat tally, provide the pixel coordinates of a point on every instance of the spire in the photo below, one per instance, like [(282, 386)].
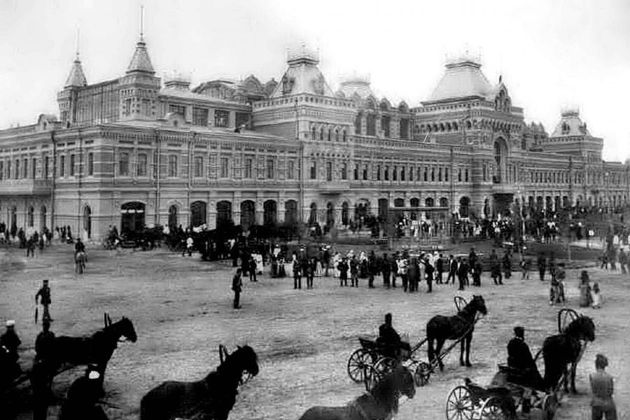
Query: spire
[(76, 78), (140, 62)]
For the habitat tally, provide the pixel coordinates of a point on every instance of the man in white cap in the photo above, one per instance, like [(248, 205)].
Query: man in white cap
[(10, 341)]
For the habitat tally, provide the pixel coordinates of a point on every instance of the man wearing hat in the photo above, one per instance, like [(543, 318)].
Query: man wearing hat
[(44, 294), (82, 398), (521, 361), (10, 342)]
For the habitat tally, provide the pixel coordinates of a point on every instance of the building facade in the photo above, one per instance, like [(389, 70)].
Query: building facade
[(135, 151)]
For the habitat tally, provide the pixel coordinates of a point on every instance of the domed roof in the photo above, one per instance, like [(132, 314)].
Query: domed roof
[(463, 78)]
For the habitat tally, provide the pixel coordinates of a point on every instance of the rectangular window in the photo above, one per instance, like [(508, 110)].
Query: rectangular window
[(1, 170), (146, 107), (378, 173), (242, 119), (371, 125), (72, 162), (432, 174), (313, 170), (426, 174), (177, 109), (404, 129), (402, 173), (172, 165), (385, 122), (459, 175), (90, 164), (395, 174), (329, 171), (25, 169), (344, 171), (8, 169), (386, 173), (221, 118), (34, 168), (123, 164), (142, 164), (446, 174), (356, 172), (200, 116), (46, 166), (62, 166), (291, 169), (270, 169), (248, 168), (440, 174), (127, 107), (198, 166), (410, 174), (466, 175), (365, 173), (224, 167)]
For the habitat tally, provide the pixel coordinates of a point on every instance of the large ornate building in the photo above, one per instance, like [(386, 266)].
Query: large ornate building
[(134, 151)]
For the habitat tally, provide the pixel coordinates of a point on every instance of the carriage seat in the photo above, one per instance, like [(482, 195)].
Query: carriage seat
[(519, 378), (486, 392)]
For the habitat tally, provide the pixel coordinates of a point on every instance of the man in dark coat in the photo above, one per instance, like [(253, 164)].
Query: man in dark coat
[(385, 270), (542, 266), (428, 273), (413, 275), (354, 272), (342, 266), (372, 268), (390, 339), (452, 269), (43, 296), (522, 363), (237, 287), (495, 268), (439, 269), (297, 274), (10, 341), (462, 272), (82, 398), (507, 265)]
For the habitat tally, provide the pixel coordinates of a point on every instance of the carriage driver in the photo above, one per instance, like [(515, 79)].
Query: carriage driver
[(520, 360), (390, 340)]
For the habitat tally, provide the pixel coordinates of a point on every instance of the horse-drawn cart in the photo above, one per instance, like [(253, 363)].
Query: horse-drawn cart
[(372, 361), (505, 396)]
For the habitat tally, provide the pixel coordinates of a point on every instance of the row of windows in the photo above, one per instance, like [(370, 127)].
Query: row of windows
[(201, 116), (370, 126), (395, 173)]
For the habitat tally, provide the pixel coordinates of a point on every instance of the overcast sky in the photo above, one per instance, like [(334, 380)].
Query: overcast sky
[(552, 54)]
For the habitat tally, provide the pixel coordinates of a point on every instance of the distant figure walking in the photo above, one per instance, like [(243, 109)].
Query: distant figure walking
[(237, 287)]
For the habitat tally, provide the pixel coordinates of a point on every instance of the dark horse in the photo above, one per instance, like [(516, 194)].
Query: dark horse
[(96, 349), (461, 326), (562, 352), (380, 403), (210, 398)]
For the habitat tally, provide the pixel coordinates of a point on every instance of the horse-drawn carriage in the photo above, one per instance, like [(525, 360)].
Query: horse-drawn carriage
[(505, 396), (372, 360)]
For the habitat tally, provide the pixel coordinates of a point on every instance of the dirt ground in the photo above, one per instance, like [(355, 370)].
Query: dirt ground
[(181, 308)]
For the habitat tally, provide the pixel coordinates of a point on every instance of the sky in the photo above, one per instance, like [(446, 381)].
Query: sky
[(552, 55)]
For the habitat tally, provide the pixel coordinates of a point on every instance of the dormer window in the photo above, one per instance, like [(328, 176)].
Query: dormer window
[(565, 128)]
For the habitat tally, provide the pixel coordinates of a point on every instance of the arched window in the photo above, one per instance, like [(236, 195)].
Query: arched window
[(198, 213), (321, 133), (314, 133), (172, 217), (312, 217), (224, 214), (270, 212), (330, 214), (443, 202), (464, 203), (31, 221), (345, 213), (337, 134), (429, 202), (132, 217), (290, 212), (87, 221)]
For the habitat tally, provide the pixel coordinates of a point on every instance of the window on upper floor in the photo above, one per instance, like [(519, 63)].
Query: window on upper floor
[(378, 172), (177, 109), (146, 107), (344, 135), (344, 171), (410, 173), (225, 167), (357, 123), (198, 166), (123, 163), (291, 169), (404, 129), (365, 172), (356, 172), (172, 166), (446, 174), (385, 125), (221, 118), (200, 116), (270, 169), (386, 173), (25, 169), (62, 166), (395, 173), (371, 125), (127, 107), (34, 168), (46, 167), (242, 119), (329, 171), (249, 163), (142, 164), (1, 170), (432, 174), (402, 173), (426, 174), (313, 169), (466, 175)]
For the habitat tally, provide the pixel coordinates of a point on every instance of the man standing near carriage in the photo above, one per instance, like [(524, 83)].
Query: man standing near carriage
[(10, 341), (428, 273), (452, 269), (521, 361), (43, 296), (462, 272), (389, 338)]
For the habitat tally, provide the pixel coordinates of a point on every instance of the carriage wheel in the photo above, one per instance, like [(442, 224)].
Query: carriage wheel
[(549, 406), (492, 409), (422, 373), (385, 365), (565, 317), (357, 364), (371, 377), (459, 404), (460, 303)]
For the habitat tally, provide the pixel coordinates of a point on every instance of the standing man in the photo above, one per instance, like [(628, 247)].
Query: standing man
[(342, 266), (252, 268), (507, 265), (542, 266), (297, 274), (309, 272), (372, 269), (10, 341), (237, 287), (602, 387), (428, 272), (385, 270), (43, 296), (439, 269), (452, 269), (462, 273), (354, 272), (495, 268)]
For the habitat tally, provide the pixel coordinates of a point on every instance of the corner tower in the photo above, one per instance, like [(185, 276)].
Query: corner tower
[(67, 98), (139, 87)]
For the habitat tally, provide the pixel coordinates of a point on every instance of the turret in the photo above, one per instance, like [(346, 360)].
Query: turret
[(67, 98)]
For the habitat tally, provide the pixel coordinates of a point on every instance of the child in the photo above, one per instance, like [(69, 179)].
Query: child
[(602, 387), (596, 296)]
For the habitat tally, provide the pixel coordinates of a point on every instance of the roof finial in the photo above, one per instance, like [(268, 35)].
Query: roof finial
[(141, 22), (78, 39), (500, 78)]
